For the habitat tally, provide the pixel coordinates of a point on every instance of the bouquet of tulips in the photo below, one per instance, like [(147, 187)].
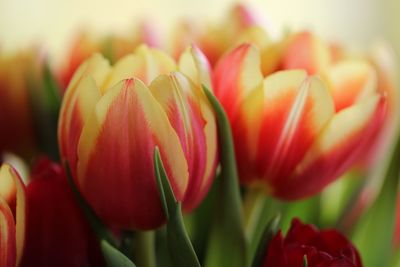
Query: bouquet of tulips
[(223, 147)]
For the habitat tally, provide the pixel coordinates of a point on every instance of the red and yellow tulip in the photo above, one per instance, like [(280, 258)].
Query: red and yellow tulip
[(112, 118), (298, 129), (12, 217)]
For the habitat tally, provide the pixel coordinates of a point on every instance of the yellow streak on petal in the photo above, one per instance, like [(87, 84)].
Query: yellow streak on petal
[(251, 110), (250, 74)]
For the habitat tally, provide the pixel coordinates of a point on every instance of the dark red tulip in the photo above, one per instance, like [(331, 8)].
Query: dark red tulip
[(325, 248), (56, 231)]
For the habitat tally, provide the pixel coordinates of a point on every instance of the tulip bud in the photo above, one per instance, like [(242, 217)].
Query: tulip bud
[(111, 120), (295, 133)]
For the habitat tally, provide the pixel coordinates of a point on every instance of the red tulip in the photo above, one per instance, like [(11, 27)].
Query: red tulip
[(325, 248), (56, 231), (12, 217), (294, 133), (111, 120)]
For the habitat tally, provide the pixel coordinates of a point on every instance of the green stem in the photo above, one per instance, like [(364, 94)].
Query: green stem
[(145, 255), (254, 202), (262, 221)]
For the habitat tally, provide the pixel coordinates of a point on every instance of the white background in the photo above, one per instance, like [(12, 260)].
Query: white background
[(53, 22)]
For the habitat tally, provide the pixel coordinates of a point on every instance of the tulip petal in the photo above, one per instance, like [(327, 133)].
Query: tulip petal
[(145, 64), (335, 150), (195, 125), (86, 96), (11, 183), (95, 68), (194, 64), (7, 236), (351, 81), (236, 75), (245, 131), (123, 130), (308, 52), (297, 107)]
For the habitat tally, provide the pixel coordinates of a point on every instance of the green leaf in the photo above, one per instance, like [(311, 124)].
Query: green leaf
[(100, 230), (45, 100), (51, 90), (227, 232), (374, 233), (113, 257), (180, 248), (259, 246)]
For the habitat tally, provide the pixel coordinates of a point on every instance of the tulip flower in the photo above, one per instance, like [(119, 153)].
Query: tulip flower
[(12, 217), (240, 25), (321, 248), (56, 231), (113, 46), (296, 132), (111, 120), (15, 112)]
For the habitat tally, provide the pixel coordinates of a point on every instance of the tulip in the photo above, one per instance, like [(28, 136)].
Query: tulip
[(111, 120), (113, 46), (15, 111), (321, 248), (240, 25), (56, 231), (296, 132), (12, 217)]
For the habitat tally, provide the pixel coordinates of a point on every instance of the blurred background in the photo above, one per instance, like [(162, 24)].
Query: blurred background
[(54, 22)]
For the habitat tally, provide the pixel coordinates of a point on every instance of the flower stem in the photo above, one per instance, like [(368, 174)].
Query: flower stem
[(144, 253), (254, 202)]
